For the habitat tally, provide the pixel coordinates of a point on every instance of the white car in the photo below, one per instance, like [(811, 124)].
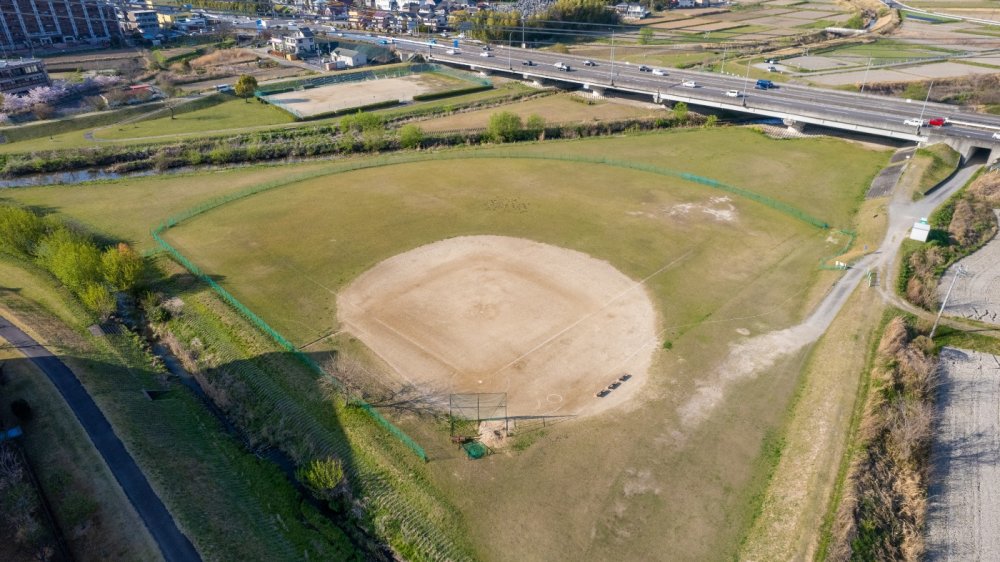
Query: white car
[(689, 84), (914, 122), (486, 54), (996, 136), (589, 63), (733, 93), (451, 52), (659, 72)]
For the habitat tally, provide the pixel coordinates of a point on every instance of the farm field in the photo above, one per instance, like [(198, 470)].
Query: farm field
[(679, 474)]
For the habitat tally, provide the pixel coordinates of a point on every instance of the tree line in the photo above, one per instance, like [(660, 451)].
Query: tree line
[(93, 273)]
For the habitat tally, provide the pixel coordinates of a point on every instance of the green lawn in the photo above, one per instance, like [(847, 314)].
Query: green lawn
[(232, 114)]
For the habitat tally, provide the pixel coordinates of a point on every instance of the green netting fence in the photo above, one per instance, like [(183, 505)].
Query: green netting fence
[(405, 159), (366, 75)]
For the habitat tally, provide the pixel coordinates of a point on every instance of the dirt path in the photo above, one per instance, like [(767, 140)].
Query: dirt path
[(963, 519)]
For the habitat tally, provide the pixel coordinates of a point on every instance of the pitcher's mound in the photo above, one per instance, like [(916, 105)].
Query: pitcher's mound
[(551, 327)]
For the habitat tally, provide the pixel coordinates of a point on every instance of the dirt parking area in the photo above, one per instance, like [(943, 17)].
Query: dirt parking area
[(549, 326), (337, 97), (963, 519), (976, 294)]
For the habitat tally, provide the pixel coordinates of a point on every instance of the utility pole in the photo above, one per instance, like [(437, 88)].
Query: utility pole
[(959, 272), (510, 47), (725, 51), (746, 80)]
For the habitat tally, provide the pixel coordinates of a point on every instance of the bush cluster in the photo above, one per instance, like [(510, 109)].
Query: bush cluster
[(960, 227), (91, 272), (885, 506)]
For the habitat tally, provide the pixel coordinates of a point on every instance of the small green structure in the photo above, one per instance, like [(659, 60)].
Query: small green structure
[(475, 450)]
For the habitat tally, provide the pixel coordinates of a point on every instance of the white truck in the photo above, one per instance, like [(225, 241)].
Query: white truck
[(561, 66)]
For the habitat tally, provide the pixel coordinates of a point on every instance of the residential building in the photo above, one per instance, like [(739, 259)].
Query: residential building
[(632, 11), (349, 57), (298, 42), (144, 22), (19, 76), (31, 24)]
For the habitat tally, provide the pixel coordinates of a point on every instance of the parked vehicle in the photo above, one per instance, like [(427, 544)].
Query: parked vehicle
[(764, 85), (772, 69)]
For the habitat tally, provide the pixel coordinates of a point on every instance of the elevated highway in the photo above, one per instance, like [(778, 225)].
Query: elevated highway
[(795, 104)]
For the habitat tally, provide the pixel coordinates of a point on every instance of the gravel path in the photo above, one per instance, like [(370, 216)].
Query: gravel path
[(963, 519)]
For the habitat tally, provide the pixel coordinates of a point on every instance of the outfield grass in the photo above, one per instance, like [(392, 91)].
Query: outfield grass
[(231, 114), (668, 487)]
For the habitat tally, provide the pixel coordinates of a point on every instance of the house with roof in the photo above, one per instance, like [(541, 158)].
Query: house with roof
[(299, 41), (349, 57)]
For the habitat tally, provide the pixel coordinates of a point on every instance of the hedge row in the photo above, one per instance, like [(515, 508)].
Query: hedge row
[(450, 93)]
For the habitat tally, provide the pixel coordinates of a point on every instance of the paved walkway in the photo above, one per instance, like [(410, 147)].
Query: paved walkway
[(174, 546)]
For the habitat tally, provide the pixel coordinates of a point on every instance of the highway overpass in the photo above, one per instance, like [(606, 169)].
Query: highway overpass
[(796, 105)]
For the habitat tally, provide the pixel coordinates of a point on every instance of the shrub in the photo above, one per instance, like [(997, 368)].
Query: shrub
[(411, 136), (22, 410), (503, 127), (322, 477)]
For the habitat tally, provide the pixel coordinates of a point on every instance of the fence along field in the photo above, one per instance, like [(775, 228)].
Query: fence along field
[(642, 209)]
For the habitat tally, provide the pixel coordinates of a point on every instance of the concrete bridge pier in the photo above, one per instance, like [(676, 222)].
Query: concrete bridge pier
[(794, 125), (596, 91)]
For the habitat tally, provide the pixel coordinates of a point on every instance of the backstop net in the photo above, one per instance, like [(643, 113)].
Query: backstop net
[(476, 407)]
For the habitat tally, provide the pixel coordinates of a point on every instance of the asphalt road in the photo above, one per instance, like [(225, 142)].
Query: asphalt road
[(173, 544), (857, 109)]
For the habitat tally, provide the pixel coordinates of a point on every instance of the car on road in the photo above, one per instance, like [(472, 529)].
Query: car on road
[(733, 93), (644, 68), (659, 72), (937, 122), (772, 68), (589, 63), (528, 63), (561, 66), (996, 136), (486, 54), (914, 122), (689, 84), (487, 48), (764, 85), (451, 52)]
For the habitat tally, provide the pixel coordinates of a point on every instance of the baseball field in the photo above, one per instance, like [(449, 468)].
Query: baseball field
[(547, 272)]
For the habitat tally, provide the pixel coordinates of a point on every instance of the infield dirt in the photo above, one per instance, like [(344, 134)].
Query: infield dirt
[(549, 326)]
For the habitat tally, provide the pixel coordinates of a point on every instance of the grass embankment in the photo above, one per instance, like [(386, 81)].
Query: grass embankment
[(23, 133), (818, 427), (959, 227), (883, 511), (95, 517), (927, 168), (230, 113), (230, 503)]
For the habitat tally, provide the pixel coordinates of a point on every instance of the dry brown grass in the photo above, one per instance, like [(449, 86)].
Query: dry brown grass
[(224, 56), (883, 512), (987, 187)]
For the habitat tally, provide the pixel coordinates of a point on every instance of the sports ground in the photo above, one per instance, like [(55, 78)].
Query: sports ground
[(565, 231), (339, 97)]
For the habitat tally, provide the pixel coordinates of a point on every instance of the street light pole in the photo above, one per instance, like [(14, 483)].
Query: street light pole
[(865, 79), (612, 56), (927, 97), (746, 80), (510, 46), (959, 271), (725, 51)]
